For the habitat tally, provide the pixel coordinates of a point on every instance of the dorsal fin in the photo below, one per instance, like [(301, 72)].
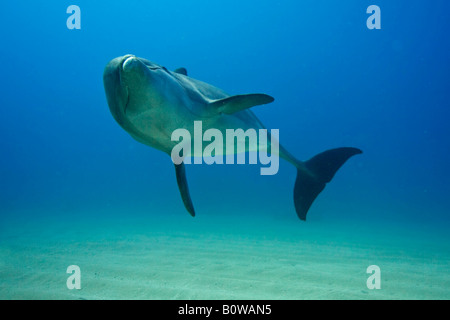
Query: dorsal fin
[(182, 71), (240, 102)]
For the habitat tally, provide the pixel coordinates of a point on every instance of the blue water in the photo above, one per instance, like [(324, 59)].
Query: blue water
[(335, 82)]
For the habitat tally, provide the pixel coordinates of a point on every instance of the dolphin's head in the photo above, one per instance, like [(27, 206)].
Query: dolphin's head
[(134, 86)]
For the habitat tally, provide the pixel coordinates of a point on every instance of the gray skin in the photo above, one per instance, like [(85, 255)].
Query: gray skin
[(150, 102)]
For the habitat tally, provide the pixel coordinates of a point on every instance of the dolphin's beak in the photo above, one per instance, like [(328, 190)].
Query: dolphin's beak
[(127, 62), (132, 64), (116, 92)]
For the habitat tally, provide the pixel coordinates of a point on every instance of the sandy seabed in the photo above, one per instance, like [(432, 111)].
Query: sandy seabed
[(174, 257)]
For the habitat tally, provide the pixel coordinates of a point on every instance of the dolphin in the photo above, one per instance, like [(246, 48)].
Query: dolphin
[(149, 102)]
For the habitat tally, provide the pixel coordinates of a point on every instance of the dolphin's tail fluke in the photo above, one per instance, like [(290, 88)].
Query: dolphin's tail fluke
[(314, 174)]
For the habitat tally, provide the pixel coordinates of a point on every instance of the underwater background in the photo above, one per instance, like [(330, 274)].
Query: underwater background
[(76, 189)]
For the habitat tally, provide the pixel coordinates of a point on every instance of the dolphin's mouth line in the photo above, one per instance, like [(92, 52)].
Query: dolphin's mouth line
[(128, 101), (124, 86)]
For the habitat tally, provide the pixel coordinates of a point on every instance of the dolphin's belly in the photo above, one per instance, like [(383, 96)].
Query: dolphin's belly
[(220, 135), (226, 134)]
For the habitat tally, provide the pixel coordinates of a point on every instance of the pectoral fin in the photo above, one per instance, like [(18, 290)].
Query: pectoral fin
[(184, 190), (240, 102)]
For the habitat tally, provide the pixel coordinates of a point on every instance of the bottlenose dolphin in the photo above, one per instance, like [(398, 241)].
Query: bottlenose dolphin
[(150, 102)]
